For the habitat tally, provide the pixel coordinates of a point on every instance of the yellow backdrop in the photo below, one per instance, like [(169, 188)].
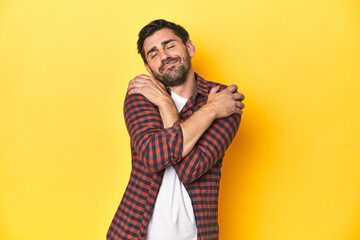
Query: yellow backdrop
[(292, 171)]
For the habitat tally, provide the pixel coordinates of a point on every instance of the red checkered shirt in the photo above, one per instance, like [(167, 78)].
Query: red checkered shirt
[(153, 148)]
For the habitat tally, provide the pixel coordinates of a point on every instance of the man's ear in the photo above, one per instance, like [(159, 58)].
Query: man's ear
[(190, 47), (148, 68)]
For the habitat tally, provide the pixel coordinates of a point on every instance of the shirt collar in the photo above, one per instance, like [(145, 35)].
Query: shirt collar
[(202, 86)]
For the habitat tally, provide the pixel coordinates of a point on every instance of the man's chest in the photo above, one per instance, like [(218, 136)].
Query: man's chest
[(192, 106)]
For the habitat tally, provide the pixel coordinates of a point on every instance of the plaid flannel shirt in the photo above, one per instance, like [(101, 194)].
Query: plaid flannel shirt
[(153, 148)]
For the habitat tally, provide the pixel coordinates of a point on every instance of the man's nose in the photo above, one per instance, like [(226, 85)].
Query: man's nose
[(164, 55)]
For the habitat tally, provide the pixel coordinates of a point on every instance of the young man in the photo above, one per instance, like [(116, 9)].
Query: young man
[(180, 126)]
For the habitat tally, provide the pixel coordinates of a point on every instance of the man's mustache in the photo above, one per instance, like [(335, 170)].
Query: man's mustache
[(167, 61)]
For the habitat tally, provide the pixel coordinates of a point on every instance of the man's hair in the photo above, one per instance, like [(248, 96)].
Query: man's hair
[(155, 26)]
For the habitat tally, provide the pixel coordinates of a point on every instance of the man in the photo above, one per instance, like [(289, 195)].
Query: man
[(180, 126)]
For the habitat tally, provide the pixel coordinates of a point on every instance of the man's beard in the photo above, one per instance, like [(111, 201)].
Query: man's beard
[(173, 77)]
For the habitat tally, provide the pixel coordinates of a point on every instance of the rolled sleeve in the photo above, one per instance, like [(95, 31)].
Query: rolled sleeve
[(175, 143)]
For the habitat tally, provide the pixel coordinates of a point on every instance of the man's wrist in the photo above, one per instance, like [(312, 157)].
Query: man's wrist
[(210, 111), (167, 104), (168, 112)]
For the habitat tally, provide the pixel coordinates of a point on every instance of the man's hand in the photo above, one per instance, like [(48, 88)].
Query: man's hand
[(156, 93), (150, 88), (226, 102)]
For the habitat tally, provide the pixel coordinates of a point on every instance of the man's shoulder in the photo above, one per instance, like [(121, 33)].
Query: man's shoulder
[(137, 101), (215, 84), (135, 98), (212, 84), (204, 83)]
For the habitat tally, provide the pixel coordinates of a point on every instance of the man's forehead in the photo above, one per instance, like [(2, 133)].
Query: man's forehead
[(158, 37)]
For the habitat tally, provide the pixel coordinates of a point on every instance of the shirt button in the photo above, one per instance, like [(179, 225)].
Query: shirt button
[(151, 207)]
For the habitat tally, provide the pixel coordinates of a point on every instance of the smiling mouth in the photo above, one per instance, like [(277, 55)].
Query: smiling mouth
[(169, 65)]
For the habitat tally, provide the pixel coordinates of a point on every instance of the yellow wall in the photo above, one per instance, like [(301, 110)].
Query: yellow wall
[(293, 170)]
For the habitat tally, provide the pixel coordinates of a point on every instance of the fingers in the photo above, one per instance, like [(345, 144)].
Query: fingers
[(136, 85), (239, 104), (214, 90), (148, 78), (134, 90), (238, 96), (239, 111), (232, 88), (141, 82), (140, 78)]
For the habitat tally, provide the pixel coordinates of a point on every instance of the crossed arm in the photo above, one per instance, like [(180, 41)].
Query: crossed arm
[(193, 146)]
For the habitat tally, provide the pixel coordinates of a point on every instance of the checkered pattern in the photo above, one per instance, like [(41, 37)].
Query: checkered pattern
[(153, 148)]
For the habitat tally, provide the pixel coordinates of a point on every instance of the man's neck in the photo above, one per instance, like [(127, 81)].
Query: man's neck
[(187, 89)]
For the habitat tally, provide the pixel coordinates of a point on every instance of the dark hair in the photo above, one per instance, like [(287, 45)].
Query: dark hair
[(155, 26)]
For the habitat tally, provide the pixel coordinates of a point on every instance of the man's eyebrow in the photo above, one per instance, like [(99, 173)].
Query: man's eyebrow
[(154, 48), (167, 41), (151, 50)]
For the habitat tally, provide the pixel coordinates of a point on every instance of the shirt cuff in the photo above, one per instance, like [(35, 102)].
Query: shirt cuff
[(175, 143)]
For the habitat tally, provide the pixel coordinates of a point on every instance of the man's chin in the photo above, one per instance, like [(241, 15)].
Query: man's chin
[(173, 81), (172, 76)]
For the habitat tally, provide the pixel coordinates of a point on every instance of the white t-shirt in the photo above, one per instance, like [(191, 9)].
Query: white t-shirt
[(173, 216)]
